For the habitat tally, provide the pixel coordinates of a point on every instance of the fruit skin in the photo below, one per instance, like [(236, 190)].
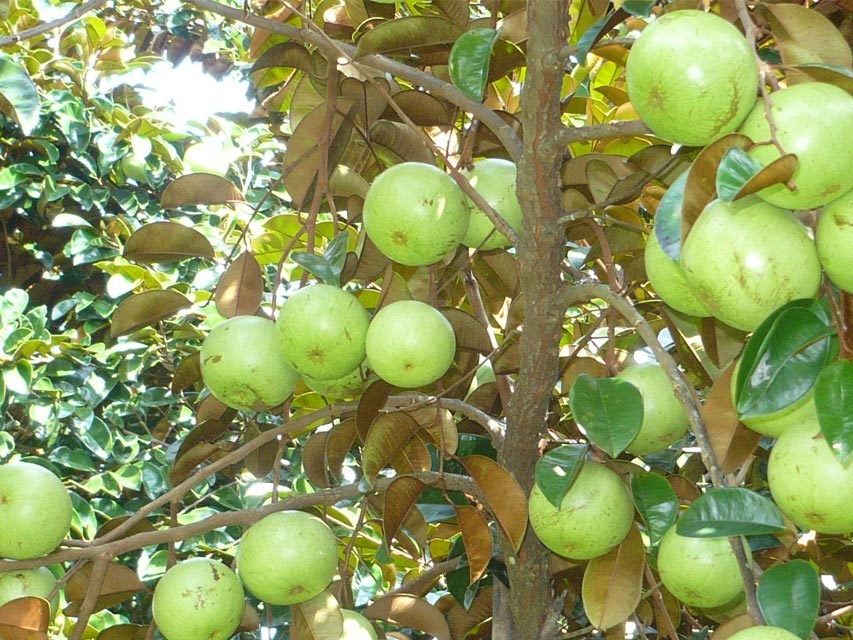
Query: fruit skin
[(692, 77), (38, 504), (415, 213), (764, 632), (595, 515), (198, 598), (808, 483), (135, 168), (813, 120), (834, 241), (357, 627), (347, 386), (243, 364), (322, 330), (667, 279), (739, 259), (664, 419), (206, 157), (410, 344), (287, 557), (700, 572), (494, 180), (29, 582)]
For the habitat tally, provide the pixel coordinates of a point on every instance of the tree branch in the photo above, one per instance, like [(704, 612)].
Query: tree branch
[(614, 129), (72, 16)]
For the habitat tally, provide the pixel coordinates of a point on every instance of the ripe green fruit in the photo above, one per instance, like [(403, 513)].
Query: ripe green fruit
[(834, 241), (410, 344), (415, 213), (287, 557), (348, 386), (357, 627), (494, 180), (322, 330), (664, 419), (243, 364), (808, 483), (207, 156), (667, 279), (692, 77), (198, 598), (21, 583), (813, 120), (134, 167), (594, 516), (38, 504), (700, 572), (764, 632), (745, 259)]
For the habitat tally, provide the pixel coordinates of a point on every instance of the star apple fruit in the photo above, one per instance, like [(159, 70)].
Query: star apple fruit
[(834, 241), (20, 583), (494, 180), (668, 281), (764, 632), (207, 156), (357, 627), (664, 419)]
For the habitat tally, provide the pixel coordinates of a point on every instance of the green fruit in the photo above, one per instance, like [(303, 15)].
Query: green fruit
[(38, 504), (322, 330), (700, 572), (348, 386), (762, 632), (207, 156), (692, 77), (814, 121), (357, 627), (739, 260), (667, 279), (834, 241), (410, 344), (21, 583), (198, 598), (243, 364), (287, 557), (494, 180), (415, 213), (808, 483), (594, 516), (135, 168), (664, 419)]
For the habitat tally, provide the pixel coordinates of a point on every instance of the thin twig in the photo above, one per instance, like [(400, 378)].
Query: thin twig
[(72, 16), (93, 590)]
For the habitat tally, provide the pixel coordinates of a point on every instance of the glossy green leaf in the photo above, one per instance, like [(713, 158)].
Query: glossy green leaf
[(783, 358), (469, 61), (640, 8), (609, 410), (597, 31), (834, 403), (668, 218), (735, 170), (789, 596), (730, 511), (656, 502), (18, 96), (557, 470)]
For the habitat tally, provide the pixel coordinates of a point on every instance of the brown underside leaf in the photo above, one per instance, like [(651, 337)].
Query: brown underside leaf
[(144, 309), (477, 538), (413, 457), (314, 459), (803, 35), (120, 583), (199, 189), (372, 401), (731, 627), (386, 437), (779, 171), (317, 619), (731, 441), (440, 427), (124, 632), (25, 619), (462, 621), (408, 34), (470, 332), (261, 461), (613, 583), (187, 373), (241, 287), (166, 241), (505, 497), (143, 526), (400, 496), (410, 611), (424, 109)]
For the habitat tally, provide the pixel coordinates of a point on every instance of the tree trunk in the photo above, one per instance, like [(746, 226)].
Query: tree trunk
[(540, 254)]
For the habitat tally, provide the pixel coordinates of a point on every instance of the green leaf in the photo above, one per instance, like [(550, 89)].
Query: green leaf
[(609, 410), (640, 8), (557, 470), (469, 61), (730, 511), (336, 255), (657, 503), (783, 358), (834, 403), (317, 266), (597, 31), (18, 96), (736, 169), (789, 596), (668, 218)]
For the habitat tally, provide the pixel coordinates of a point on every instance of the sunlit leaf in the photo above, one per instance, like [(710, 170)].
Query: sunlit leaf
[(803, 35), (731, 441), (241, 288), (144, 309), (834, 403), (18, 96), (199, 188), (657, 503), (730, 511), (609, 410), (407, 610), (613, 583), (469, 61), (25, 619), (400, 496), (557, 470), (319, 618), (388, 434), (477, 538), (120, 583), (166, 241), (505, 498), (789, 596)]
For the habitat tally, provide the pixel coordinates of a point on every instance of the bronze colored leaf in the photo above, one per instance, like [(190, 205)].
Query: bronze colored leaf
[(456, 11), (424, 109), (780, 170), (462, 621), (370, 266), (124, 632), (403, 140), (408, 34), (314, 459), (369, 103), (25, 618), (187, 373), (477, 538), (413, 457), (166, 241), (440, 427), (142, 526), (600, 179), (803, 36), (341, 439), (613, 583), (386, 437), (212, 409), (731, 627), (407, 610), (372, 401), (470, 332), (120, 583), (241, 287), (701, 185), (400, 496), (196, 448), (497, 275), (251, 620), (146, 308), (505, 497), (261, 461), (731, 441), (199, 188), (290, 55), (319, 618)]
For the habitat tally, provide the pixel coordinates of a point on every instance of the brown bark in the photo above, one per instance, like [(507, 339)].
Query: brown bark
[(540, 255)]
